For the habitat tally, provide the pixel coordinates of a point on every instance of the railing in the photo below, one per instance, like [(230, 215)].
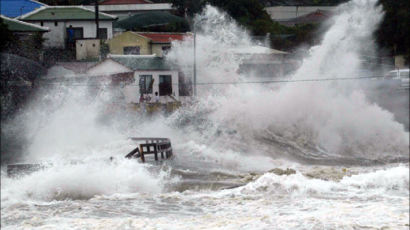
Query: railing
[(14, 170), (153, 146)]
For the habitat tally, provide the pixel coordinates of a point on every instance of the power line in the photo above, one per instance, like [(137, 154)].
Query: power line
[(71, 83), (289, 81)]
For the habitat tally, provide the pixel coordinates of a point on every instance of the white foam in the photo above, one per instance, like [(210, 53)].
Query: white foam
[(394, 179), (84, 181)]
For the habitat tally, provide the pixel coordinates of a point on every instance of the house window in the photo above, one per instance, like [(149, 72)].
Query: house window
[(56, 23), (165, 85), (146, 83), (102, 33), (131, 50), (165, 49)]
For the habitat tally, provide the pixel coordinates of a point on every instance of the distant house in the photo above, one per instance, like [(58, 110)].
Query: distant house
[(151, 74), (143, 43), (317, 16), (125, 8), (60, 18), (15, 8), (264, 62)]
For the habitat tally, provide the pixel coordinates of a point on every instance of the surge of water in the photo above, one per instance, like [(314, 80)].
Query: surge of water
[(307, 120), (230, 129)]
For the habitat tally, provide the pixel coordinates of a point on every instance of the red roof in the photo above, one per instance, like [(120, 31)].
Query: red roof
[(121, 2), (163, 37), (314, 17)]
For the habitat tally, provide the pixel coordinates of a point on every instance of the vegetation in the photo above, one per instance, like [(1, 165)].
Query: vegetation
[(29, 46), (394, 31), (251, 15), (301, 2)]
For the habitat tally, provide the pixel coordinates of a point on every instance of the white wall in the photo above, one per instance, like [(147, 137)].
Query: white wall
[(90, 27), (157, 49), (87, 48), (56, 36)]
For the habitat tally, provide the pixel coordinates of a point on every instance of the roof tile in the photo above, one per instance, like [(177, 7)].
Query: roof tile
[(64, 13), (143, 63), (163, 37), (19, 26)]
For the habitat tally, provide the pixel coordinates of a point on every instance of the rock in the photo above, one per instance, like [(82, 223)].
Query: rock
[(281, 172)]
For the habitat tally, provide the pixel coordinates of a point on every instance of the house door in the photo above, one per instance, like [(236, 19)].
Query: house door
[(102, 33), (165, 85), (78, 32), (74, 33)]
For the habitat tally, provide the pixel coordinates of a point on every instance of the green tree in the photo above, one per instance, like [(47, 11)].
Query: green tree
[(188, 7), (248, 13), (6, 36)]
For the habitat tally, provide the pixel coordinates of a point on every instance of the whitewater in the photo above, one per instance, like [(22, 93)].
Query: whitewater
[(304, 155)]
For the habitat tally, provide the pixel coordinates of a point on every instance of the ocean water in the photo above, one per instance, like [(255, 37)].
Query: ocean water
[(311, 155)]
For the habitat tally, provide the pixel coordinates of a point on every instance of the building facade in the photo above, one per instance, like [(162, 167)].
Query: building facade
[(143, 43), (61, 19), (151, 74)]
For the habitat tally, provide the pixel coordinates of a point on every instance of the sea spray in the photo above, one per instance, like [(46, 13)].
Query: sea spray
[(319, 120)]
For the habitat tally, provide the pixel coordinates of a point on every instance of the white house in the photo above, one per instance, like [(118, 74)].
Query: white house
[(60, 18), (151, 74)]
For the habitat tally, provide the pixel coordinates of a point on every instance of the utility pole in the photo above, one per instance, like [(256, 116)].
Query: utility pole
[(97, 34), (194, 63)]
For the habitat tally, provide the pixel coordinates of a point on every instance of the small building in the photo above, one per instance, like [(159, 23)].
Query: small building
[(263, 61), (15, 8), (151, 74), (126, 8), (143, 43), (59, 19)]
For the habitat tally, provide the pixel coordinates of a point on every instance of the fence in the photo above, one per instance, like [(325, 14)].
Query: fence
[(153, 146)]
